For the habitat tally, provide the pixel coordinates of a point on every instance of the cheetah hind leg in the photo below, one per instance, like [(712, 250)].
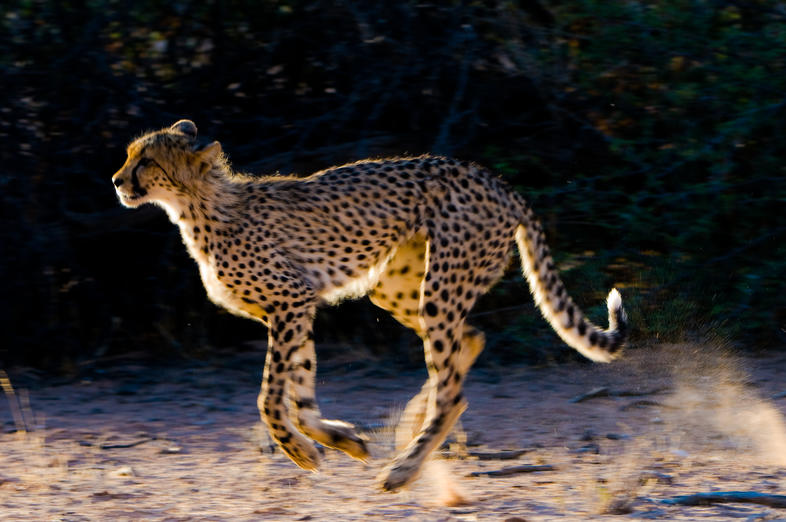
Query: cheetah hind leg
[(399, 291), (411, 421), (335, 434), (444, 406), (406, 467)]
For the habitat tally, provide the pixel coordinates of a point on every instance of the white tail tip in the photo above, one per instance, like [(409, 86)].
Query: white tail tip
[(614, 300)]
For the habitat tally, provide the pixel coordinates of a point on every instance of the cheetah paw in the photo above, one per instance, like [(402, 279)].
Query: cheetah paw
[(396, 476), (341, 436), (305, 455)]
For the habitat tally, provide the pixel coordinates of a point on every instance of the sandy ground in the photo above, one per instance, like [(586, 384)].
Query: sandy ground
[(133, 443)]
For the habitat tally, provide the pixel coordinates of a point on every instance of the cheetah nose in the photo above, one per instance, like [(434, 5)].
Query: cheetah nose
[(117, 181)]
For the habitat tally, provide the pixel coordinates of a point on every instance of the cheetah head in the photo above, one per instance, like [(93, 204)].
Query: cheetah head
[(164, 164)]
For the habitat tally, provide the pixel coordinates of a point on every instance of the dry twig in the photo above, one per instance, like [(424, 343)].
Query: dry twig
[(513, 470), (721, 497), (604, 391)]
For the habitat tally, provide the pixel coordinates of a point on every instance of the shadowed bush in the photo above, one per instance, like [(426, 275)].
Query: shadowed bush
[(646, 135)]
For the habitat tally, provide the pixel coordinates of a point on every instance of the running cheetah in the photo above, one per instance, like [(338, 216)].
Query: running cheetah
[(423, 237)]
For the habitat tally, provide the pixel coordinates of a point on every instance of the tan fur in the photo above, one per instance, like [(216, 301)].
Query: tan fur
[(424, 237)]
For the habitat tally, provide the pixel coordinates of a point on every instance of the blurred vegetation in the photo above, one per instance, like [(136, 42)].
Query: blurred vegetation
[(647, 135)]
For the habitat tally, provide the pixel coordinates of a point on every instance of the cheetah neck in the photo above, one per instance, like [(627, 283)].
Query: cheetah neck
[(203, 209)]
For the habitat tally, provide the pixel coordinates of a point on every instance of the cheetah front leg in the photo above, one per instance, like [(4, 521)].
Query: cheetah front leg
[(331, 433), (283, 345)]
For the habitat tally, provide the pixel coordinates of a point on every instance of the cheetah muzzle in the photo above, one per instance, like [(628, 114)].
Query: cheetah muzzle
[(423, 237)]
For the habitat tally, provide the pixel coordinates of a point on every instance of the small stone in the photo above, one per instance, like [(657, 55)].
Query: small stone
[(123, 471)]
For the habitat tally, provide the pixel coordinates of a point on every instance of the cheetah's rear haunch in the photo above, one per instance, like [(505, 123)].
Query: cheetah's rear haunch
[(424, 237)]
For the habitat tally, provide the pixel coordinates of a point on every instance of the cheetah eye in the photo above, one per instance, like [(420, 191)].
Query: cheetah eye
[(149, 162), (144, 163)]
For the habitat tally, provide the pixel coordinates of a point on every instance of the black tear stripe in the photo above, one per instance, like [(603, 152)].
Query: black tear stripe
[(136, 187), (144, 162)]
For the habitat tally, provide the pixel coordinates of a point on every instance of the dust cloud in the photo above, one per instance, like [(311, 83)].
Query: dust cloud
[(715, 404)]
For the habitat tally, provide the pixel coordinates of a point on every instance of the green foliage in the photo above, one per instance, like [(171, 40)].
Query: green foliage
[(689, 97)]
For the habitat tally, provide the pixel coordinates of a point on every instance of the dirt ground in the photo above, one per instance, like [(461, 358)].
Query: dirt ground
[(133, 443)]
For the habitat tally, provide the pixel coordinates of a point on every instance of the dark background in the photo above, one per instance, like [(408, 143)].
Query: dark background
[(648, 136)]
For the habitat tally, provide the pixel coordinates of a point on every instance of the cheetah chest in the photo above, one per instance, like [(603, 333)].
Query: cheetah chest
[(227, 297)]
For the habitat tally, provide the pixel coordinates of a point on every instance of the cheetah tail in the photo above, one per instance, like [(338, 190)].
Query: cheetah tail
[(557, 306)]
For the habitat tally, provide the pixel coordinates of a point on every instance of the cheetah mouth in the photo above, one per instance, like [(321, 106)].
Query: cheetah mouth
[(129, 200), (128, 196)]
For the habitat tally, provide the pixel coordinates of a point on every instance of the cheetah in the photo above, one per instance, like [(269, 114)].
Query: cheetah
[(423, 237)]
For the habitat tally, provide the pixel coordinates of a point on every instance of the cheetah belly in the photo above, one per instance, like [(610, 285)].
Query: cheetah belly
[(350, 287)]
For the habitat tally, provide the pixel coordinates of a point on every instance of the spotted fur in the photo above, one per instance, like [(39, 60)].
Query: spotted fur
[(424, 237)]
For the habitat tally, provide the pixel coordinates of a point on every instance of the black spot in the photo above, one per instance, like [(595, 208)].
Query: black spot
[(306, 403), (431, 309), (439, 346), (582, 327)]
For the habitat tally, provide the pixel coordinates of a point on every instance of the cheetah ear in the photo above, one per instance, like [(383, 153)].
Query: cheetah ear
[(186, 127), (210, 152)]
